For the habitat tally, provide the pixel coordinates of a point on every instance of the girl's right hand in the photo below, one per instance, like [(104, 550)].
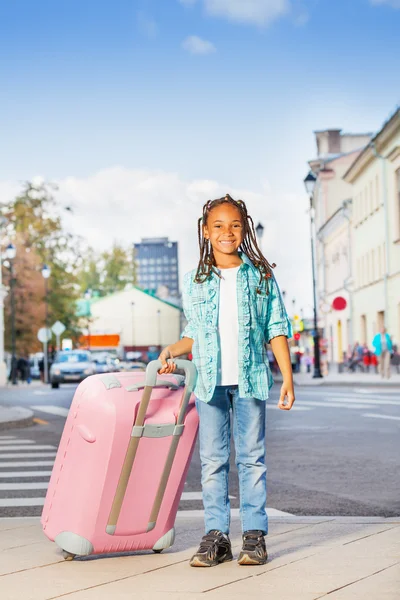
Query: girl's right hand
[(167, 367)]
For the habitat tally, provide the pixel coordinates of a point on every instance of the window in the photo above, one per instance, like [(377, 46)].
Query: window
[(371, 198), (377, 192), (379, 263), (367, 280)]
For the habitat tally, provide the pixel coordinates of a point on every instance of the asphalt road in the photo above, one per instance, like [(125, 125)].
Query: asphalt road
[(336, 453)]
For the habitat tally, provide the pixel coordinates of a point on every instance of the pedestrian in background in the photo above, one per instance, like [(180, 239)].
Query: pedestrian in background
[(233, 307), (396, 358), (383, 347)]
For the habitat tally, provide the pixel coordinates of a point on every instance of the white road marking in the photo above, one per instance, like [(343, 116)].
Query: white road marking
[(326, 404), (377, 402), (39, 485), (27, 463), (18, 447), (11, 442), (11, 502), (189, 514), (7, 437), (28, 455), (60, 411), (376, 416), (295, 407), (17, 474), (42, 393)]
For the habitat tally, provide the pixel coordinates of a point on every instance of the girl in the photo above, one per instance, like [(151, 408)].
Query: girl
[(233, 308)]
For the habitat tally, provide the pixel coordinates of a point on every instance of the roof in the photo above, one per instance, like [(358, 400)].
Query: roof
[(368, 153), (83, 304)]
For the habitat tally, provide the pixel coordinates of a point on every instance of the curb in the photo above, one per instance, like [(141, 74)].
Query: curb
[(18, 417)]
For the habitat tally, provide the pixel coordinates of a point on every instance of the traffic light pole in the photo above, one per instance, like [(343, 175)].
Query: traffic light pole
[(317, 356)]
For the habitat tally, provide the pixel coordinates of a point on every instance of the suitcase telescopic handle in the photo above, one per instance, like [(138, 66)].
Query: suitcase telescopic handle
[(185, 365), (150, 383)]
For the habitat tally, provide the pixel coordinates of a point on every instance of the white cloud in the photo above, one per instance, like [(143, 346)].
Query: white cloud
[(392, 3), (147, 25), (196, 45), (255, 12), (128, 204)]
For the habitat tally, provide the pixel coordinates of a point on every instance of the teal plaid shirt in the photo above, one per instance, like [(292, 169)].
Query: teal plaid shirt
[(262, 317)]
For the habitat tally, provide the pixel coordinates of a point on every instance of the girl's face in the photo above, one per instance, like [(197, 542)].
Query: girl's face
[(224, 229)]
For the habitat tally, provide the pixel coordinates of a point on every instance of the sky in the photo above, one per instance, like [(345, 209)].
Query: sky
[(142, 110)]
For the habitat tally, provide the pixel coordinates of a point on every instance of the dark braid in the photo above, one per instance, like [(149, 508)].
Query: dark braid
[(249, 244)]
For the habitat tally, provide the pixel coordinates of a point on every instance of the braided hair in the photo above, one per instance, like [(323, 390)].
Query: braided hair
[(249, 243)]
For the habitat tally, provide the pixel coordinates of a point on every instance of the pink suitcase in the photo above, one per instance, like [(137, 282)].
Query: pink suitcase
[(122, 462)]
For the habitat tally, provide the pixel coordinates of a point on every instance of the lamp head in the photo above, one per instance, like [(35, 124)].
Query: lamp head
[(309, 183), (11, 252), (46, 271)]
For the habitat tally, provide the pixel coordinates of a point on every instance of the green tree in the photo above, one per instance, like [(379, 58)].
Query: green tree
[(34, 218), (118, 269)]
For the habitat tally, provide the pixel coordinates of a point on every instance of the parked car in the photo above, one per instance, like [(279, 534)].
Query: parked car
[(104, 363), (71, 367), (127, 365)]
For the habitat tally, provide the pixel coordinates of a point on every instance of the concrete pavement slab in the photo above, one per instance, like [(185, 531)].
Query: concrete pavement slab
[(384, 585), (307, 561)]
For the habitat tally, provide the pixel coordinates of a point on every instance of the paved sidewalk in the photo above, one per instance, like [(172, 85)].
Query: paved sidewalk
[(15, 416), (356, 379), (310, 558)]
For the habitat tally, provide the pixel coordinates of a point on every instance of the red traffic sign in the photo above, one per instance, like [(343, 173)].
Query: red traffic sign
[(339, 303)]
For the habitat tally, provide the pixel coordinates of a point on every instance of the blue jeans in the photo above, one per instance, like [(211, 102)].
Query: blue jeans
[(249, 415)]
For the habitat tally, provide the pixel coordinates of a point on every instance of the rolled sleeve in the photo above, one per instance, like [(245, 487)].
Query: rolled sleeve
[(277, 319), (189, 329)]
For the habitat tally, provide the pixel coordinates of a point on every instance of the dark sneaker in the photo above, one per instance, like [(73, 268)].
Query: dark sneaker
[(254, 551), (215, 548)]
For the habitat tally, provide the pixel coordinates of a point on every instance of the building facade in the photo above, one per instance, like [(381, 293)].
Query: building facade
[(157, 265), (375, 179), (137, 319), (332, 201)]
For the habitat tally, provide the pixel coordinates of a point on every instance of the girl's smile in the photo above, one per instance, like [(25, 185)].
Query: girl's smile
[(224, 229)]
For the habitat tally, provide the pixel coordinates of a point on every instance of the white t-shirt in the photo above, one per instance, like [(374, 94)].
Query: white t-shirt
[(228, 328)]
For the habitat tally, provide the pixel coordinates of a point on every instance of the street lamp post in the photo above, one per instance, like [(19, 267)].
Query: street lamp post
[(259, 233), (11, 253), (88, 295), (133, 325), (309, 183), (46, 272)]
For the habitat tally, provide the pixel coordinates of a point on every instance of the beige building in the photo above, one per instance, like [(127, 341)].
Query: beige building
[(332, 200), (139, 319), (375, 180)]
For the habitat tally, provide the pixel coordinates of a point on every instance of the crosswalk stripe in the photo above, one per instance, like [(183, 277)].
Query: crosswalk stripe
[(29, 455), (27, 463), (18, 447), (377, 402), (59, 411), (17, 474), (15, 487), (11, 502), (325, 404), (13, 442), (376, 416), (7, 437)]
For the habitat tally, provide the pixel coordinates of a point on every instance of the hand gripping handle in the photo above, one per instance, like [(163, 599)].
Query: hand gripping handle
[(186, 365)]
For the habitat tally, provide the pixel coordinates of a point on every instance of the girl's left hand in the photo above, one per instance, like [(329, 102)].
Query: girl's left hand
[(287, 398)]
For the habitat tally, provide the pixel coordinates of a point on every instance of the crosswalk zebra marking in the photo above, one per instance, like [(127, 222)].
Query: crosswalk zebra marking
[(14, 442), (376, 416), (18, 474), (28, 455), (15, 502), (17, 487), (18, 447), (27, 463)]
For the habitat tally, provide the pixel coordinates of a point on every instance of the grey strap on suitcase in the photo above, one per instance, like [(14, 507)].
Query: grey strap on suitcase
[(140, 430)]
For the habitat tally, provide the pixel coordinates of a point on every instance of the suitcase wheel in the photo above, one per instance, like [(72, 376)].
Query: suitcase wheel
[(68, 555), (158, 551)]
